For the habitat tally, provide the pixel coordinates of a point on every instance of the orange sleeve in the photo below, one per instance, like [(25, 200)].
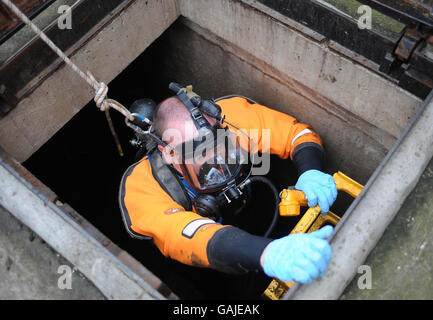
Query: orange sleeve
[(178, 234), (270, 130)]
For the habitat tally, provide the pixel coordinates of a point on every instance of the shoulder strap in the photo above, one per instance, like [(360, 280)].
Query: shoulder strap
[(169, 181)]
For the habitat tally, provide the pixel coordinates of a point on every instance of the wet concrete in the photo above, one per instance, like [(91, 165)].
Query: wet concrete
[(401, 264), (29, 268)]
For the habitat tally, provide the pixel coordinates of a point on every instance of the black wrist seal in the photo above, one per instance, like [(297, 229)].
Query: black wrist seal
[(308, 156), (232, 250)]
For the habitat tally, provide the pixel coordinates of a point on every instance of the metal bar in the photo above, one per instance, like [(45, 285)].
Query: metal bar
[(422, 60), (23, 72), (407, 11), (335, 26), (9, 25), (370, 48)]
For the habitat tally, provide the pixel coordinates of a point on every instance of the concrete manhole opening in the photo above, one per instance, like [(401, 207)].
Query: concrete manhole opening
[(80, 163)]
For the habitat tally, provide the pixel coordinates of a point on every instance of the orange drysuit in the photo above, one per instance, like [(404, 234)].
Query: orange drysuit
[(184, 235)]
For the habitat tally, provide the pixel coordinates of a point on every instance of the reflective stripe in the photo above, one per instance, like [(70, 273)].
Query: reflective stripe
[(305, 131), (192, 227)]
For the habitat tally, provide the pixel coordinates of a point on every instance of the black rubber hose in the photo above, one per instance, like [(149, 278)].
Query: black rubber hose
[(277, 201), (175, 87)]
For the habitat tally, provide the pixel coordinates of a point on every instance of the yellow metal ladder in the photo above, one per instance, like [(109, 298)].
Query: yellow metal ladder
[(312, 220)]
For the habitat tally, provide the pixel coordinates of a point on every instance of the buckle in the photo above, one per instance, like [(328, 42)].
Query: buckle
[(196, 114)]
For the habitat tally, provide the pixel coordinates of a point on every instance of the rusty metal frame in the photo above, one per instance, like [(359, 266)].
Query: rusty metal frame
[(344, 36), (407, 11), (33, 63), (9, 24)]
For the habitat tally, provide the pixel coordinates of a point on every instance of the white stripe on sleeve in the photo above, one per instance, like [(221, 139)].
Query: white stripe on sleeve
[(300, 134)]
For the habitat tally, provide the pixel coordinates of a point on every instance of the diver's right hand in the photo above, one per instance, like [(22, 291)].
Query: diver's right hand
[(298, 257)]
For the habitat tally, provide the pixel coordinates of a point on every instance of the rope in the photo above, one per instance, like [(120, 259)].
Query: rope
[(100, 88)]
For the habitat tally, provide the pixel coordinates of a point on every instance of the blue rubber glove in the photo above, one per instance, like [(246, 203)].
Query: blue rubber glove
[(300, 257), (319, 188)]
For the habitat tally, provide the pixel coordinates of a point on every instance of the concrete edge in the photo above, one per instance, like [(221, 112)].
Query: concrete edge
[(114, 279), (350, 84), (358, 233), (62, 94)]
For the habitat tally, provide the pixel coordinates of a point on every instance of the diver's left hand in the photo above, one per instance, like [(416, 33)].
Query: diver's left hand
[(319, 188)]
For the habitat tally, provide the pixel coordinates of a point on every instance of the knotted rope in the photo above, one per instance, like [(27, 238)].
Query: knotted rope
[(100, 88)]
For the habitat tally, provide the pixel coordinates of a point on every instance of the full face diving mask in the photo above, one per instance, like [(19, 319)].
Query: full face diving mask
[(212, 162)]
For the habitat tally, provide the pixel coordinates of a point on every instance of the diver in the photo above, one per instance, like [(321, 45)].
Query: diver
[(195, 171)]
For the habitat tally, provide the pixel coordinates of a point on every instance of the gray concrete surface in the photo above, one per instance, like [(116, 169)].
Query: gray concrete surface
[(29, 267), (111, 271), (401, 263)]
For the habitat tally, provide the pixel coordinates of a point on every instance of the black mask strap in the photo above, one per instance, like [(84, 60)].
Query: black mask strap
[(197, 116)]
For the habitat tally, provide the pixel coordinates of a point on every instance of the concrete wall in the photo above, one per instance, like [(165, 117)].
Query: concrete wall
[(36, 118), (216, 68), (303, 55), (292, 50)]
